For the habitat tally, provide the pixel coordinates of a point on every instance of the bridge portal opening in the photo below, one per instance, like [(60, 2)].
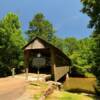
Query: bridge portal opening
[(52, 60), (44, 59)]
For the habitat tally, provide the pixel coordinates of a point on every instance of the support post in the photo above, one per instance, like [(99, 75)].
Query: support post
[(67, 76), (26, 61), (38, 74), (13, 72), (53, 64), (26, 73)]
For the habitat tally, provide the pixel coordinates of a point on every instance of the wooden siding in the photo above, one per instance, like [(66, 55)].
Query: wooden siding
[(35, 45), (53, 63), (59, 62), (60, 72)]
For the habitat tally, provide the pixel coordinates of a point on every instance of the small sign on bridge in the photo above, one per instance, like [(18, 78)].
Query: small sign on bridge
[(38, 62)]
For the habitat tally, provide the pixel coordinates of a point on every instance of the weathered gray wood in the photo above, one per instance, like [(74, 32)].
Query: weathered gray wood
[(35, 45), (27, 73), (13, 72), (61, 71), (53, 63)]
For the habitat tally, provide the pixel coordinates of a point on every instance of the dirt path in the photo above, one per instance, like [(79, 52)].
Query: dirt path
[(11, 88)]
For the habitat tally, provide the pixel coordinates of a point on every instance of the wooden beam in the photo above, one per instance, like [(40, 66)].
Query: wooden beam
[(53, 63), (26, 62), (26, 59)]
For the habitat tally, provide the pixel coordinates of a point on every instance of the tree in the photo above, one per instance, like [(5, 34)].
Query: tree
[(80, 53), (82, 58), (41, 27), (92, 9), (57, 42), (11, 43), (70, 45)]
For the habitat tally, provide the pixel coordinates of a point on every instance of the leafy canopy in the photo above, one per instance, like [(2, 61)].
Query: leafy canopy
[(80, 53), (11, 42), (41, 27), (92, 9)]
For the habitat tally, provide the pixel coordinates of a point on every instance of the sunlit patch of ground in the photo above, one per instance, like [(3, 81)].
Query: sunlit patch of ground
[(80, 84), (34, 90), (61, 95), (11, 88), (39, 88)]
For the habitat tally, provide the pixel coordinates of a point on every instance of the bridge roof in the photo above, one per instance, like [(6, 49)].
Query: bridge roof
[(39, 43)]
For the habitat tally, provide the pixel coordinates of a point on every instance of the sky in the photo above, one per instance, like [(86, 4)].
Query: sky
[(65, 15)]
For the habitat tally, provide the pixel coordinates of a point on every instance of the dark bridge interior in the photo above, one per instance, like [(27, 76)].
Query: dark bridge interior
[(46, 69)]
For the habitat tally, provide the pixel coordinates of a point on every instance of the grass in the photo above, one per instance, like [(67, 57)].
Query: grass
[(80, 85), (37, 96), (37, 88), (71, 83), (61, 95)]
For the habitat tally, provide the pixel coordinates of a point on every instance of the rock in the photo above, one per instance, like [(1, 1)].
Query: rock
[(56, 85)]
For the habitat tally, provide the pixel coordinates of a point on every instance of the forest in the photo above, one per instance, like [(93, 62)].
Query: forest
[(13, 40), (84, 53)]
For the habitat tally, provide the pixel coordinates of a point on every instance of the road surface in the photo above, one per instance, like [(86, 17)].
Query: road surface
[(11, 88)]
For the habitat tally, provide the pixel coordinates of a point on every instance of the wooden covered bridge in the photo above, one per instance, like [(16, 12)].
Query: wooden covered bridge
[(52, 60)]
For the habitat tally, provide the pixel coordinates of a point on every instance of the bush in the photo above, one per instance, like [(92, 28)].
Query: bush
[(4, 71), (79, 71)]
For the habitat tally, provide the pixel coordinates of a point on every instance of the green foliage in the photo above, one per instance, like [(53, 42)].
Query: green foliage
[(80, 53), (58, 42), (70, 45), (85, 84), (11, 43), (62, 95), (41, 27), (92, 9)]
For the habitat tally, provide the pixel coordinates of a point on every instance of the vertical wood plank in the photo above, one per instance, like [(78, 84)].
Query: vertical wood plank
[(53, 63), (26, 62)]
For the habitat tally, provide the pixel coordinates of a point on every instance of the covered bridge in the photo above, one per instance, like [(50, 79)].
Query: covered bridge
[(53, 61)]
